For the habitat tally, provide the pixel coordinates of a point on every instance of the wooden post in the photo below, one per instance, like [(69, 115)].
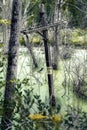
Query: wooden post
[(47, 56)]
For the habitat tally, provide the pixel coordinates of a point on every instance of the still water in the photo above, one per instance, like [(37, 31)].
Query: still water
[(38, 77)]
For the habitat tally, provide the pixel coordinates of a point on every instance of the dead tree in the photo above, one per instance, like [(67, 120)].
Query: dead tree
[(57, 18), (29, 46), (9, 96), (47, 56)]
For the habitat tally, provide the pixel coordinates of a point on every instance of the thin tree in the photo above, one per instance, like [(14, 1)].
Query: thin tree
[(57, 18), (29, 46), (9, 96)]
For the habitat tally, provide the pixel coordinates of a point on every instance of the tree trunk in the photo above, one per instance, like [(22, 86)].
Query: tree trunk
[(9, 96), (57, 18), (29, 46), (55, 49)]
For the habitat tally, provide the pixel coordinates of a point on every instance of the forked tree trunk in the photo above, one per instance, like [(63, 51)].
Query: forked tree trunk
[(9, 96)]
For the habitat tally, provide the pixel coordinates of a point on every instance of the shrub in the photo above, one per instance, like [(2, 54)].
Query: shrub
[(36, 39), (22, 42), (75, 120), (76, 37)]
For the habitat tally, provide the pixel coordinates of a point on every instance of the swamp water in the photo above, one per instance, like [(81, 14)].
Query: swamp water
[(38, 77)]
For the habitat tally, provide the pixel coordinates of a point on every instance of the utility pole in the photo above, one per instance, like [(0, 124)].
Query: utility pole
[(47, 56)]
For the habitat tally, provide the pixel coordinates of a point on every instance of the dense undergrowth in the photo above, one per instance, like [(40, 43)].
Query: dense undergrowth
[(77, 37)]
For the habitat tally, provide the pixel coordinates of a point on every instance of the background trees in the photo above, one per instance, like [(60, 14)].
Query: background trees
[(76, 10), (69, 29)]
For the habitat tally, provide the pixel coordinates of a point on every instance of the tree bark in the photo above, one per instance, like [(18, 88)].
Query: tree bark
[(9, 96), (57, 18), (55, 49)]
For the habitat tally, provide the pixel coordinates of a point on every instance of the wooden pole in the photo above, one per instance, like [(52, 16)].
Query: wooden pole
[(35, 29), (47, 56)]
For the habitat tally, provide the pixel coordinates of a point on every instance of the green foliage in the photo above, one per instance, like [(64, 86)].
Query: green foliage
[(79, 37), (23, 103), (75, 119), (2, 80), (36, 39), (76, 37), (49, 6), (5, 21), (22, 42), (77, 12), (27, 104), (33, 12)]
